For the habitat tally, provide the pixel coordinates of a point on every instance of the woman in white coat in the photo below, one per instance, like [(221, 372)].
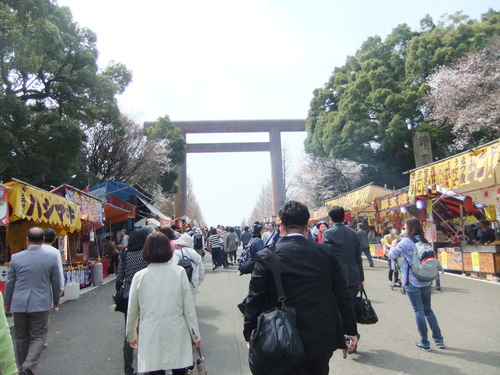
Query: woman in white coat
[(161, 297), (185, 246)]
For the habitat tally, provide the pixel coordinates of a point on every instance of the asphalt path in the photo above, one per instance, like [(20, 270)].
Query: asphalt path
[(86, 336)]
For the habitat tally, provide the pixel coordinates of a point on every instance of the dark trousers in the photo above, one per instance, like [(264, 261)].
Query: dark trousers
[(113, 263), (393, 270), (31, 331), (217, 256), (179, 371), (128, 355), (368, 255), (312, 367)]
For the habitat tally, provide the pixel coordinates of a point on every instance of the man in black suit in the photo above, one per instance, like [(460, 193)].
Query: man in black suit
[(313, 284), (346, 247)]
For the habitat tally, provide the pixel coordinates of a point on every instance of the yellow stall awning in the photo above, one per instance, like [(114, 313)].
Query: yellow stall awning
[(31, 206), (359, 200)]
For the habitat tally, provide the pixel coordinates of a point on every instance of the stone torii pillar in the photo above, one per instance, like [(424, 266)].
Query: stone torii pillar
[(273, 127)]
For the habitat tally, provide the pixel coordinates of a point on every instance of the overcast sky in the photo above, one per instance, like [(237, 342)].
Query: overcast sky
[(230, 60)]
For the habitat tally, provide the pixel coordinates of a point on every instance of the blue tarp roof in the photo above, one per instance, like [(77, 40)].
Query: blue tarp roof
[(118, 189)]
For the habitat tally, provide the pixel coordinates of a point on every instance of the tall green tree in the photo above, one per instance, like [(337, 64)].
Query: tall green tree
[(367, 110), (170, 138), (51, 90)]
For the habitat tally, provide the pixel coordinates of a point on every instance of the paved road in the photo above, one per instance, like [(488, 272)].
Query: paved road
[(85, 337)]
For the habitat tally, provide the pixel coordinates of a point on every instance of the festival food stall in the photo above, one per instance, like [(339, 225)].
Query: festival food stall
[(470, 176), (30, 206), (94, 215), (359, 203), (391, 208)]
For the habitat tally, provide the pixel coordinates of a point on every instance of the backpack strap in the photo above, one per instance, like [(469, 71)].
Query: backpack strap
[(182, 252), (413, 239)]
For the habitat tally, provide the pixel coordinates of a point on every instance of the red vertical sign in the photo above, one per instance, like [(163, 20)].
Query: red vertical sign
[(4, 206)]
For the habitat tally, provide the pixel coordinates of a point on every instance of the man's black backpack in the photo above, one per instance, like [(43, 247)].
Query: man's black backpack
[(197, 241), (185, 262)]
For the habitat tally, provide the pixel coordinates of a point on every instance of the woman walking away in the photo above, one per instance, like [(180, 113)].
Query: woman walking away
[(130, 262), (419, 292), (161, 297), (215, 241), (185, 249), (232, 245)]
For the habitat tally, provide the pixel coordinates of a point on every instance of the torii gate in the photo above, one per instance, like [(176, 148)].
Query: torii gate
[(273, 127)]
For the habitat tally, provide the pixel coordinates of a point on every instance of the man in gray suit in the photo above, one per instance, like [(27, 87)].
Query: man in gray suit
[(363, 243), (33, 286)]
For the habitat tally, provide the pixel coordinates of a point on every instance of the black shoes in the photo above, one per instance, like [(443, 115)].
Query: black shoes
[(25, 371), (423, 347)]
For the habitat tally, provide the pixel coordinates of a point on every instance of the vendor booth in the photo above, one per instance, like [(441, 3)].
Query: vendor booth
[(358, 202), (466, 177), (94, 214), (30, 206)]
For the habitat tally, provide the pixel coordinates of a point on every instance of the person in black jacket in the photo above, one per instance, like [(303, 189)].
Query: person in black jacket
[(314, 285)]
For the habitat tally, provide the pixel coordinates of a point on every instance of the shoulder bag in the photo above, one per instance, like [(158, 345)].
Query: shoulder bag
[(275, 345), (365, 314), (120, 298)]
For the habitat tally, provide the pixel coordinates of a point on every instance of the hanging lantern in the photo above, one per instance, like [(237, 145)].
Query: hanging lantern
[(399, 222), (469, 204), (348, 216), (421, 215)]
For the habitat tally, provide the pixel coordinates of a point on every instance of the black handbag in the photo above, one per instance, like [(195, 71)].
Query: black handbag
[(275, 345), (121, 298), (365, 314)]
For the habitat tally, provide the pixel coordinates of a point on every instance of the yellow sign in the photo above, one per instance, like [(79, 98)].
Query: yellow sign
[(359, 199), (40, 206), (460, 171), (475, 262), (444, 259)]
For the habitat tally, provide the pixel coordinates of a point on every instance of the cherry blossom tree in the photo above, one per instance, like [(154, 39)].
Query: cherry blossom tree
[(465, 97)]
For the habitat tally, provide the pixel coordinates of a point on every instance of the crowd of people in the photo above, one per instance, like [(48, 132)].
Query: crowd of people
[(325, 257)]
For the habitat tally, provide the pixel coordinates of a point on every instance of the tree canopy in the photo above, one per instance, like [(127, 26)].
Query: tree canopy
[(59, 115), (367, 110), (51, 90)]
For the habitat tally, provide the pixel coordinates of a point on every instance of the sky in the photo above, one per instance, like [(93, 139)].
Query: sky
[(239, 60)]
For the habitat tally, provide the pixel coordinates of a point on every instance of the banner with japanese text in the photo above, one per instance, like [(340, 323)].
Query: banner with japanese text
[(466, 172), (121, 204), (40, 206)]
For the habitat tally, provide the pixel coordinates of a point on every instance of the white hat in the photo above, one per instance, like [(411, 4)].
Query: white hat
[(185, 241)]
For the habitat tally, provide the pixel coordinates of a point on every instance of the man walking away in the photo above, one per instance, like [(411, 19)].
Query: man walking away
[(345, 244), (49, 236), (363, 243), (245, 237), (112, 252), (324, 316), (33, 286)]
